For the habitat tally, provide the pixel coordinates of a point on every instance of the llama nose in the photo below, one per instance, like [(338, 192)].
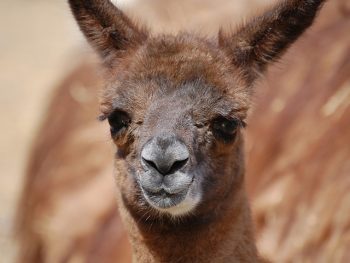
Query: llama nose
[(165, 153)]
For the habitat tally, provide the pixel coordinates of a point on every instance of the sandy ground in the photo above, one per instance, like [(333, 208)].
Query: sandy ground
[(37, 39)]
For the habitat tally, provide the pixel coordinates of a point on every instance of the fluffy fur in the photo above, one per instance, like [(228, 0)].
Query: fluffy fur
[(182, 84)]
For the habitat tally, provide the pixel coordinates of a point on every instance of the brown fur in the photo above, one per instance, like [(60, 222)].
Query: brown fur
[(192, 66), (182, 84)]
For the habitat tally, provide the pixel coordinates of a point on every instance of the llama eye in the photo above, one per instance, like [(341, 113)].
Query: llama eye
[(225, 128), (118, 122)]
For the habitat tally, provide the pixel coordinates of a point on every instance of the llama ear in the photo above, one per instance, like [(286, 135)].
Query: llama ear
[(106, 28), (265, 38)]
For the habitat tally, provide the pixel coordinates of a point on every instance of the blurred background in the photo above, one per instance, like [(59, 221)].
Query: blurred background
[(36, 41), (47, 72)]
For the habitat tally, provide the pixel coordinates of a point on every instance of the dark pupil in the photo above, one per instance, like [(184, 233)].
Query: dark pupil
[(225, 128), (117, 121)]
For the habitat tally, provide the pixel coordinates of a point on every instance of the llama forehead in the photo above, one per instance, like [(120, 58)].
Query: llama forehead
[(161, 98), (180, 106), (184, 58), (181, 48), (193, 70), (180, 59)]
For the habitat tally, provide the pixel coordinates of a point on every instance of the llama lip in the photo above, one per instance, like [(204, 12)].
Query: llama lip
[(163, 199), (163, 192), (167, 188), (154, 182)]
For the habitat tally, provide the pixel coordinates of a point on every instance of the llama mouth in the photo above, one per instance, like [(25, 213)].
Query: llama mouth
[(164, 192), (173, 194), (163, 199)]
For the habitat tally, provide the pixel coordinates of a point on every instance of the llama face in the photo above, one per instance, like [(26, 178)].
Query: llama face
[(176, 116), (176, 105)]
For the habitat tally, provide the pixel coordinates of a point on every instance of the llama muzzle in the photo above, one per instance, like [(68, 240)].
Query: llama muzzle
[(165, 180)]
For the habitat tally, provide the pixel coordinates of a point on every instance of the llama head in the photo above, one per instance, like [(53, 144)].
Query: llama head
[(177, 105)]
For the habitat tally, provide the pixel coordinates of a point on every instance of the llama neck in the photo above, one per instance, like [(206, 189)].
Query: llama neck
[(226, 238)]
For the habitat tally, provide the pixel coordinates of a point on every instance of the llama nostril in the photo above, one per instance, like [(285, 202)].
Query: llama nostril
[(177, 165), (150, 163), (166, 155), (165, 165)]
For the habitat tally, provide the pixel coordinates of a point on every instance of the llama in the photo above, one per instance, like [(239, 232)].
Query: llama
[(176, 106)]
